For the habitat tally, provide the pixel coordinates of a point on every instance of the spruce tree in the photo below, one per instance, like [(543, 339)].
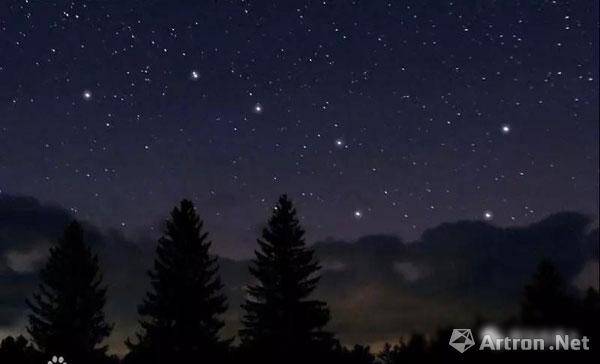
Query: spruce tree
[(391, 354), (19, 350), (67, 315), (546, 301), (281, 323), (180, 315)]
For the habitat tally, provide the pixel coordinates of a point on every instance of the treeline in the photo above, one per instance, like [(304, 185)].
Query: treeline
[(180, 315)]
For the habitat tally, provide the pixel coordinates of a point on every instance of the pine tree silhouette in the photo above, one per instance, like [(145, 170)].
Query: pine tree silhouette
[(280, 323), (359, 354), (18, 350), (180, 315), (589, 313), (67, 315), (545, 300), (391, 354)]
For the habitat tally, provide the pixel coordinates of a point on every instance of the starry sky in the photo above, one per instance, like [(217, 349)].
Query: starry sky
[(374, 116)]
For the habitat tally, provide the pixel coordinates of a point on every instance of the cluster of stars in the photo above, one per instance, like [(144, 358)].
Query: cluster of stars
[(450, 114)]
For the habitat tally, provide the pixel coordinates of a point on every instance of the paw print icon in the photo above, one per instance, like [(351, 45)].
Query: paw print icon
[(57, 360)]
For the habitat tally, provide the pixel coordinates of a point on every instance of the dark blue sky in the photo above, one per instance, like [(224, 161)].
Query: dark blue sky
[(375, 116)]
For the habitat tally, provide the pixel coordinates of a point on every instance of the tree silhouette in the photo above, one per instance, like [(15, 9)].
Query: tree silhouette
[(545, 300), (416, 348), (391, 354), (67, 315), (180, 315), (280, 323), (18, 350), (359, 354), (589, 313)]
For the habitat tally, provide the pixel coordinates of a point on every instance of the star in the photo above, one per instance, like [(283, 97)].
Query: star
[(87, 95), (358, 214), (488, 215), (505, 129), (258, 108)]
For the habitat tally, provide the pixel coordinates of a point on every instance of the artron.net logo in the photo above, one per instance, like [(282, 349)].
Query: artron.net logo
[(462, 339), (493, 339)]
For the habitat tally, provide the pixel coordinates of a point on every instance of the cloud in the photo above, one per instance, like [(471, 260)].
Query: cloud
[(333, 265), (27, 230), (409, 271), (454, 272), (29, 260), (378, 287), (25, 227), (588, 277)]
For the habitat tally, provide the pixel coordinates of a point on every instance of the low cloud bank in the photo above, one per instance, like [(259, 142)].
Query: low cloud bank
[(378, 287)]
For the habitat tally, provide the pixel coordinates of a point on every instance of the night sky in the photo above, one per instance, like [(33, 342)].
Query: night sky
[(374, 116)]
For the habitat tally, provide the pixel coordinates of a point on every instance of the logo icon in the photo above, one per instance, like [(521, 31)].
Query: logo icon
[(57, 360), (461, 339)]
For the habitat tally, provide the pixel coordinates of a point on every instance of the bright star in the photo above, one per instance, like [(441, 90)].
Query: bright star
[(488, 215), (358, 214), (87, 95), (505, 129)]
